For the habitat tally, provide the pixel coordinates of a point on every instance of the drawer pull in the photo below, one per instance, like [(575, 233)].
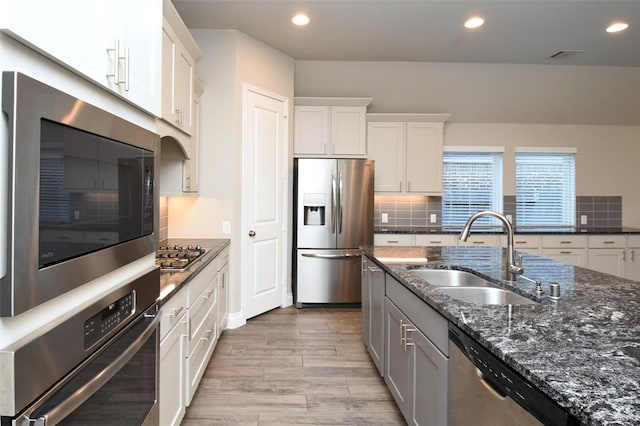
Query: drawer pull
[(478, 242), (566, 242), (608, 242), (435, 242), (521, 242), (176, 312), (393, 241), (566, 252)]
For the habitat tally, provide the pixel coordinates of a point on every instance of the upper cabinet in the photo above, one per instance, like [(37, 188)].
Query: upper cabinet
[(191, 168), (334, 127), (179, 54), (407, 149), (117, 44)]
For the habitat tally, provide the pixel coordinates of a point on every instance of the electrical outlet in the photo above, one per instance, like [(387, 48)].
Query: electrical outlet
[(583, 219), (509, 218), (226, 227), (385, 218), (433, 218)]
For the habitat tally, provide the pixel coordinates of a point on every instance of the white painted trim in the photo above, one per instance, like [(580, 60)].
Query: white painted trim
[(547, 149), (449, 148), (425, 118), (324, 101), (235, 320)]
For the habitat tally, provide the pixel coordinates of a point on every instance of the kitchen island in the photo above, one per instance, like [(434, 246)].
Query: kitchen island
[(583, 350)]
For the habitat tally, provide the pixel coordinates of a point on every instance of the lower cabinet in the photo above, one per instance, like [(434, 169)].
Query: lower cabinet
[(416, 367), (189, 330), (173, 333), (373, 286)]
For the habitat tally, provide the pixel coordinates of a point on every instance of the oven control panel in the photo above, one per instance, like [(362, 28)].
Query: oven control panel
[(108, 319)]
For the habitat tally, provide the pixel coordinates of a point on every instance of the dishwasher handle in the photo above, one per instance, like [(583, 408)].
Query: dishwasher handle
[(493, 390)]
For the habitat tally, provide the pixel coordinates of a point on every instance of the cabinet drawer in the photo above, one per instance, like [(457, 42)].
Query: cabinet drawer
[(437, 240), (201, 281), (173, 311), (561, 241), (394, 240), (481, 240), (198, 358), (521, 241), (607, 241), (201, 309)]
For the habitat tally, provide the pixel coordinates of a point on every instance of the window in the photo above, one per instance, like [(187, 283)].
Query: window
[(545, 187), (472, 181)]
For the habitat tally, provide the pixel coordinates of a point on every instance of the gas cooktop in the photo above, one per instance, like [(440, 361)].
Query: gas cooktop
[(178, 258)]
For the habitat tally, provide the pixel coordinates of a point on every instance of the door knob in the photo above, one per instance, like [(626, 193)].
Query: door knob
[(252, 233)]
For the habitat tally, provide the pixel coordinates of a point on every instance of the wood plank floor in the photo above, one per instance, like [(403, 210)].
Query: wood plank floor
[(293, 366)]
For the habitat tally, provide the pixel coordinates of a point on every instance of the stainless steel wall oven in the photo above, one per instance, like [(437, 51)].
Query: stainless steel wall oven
[(100, 367), (81, 193)]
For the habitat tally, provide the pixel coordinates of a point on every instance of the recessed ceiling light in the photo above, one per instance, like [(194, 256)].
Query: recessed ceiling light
[(300, 19), (474, 22), (617, 27)]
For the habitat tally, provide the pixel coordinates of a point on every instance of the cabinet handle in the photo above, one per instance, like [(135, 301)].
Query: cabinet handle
[(565, 252), (633, 255), (408, 186), (373, 269), (565, 242), (209, 295), (478, 242), (521, 242), (608, 242), (435, 242), (400, 185), (179, 116), (404, 329), (176, 312), (624, 255), (126, 69), (116, 62)]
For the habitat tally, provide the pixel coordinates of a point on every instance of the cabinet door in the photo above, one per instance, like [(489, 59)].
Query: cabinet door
[(430, 377), (172, 374), (424, 158), (366, 304), (311, 130), (373, 303), (572, 256), (183, 89), (223, 294), (385, 142), (191, 168), (398, 357), (632, 264), (348, 131), (610, 261)]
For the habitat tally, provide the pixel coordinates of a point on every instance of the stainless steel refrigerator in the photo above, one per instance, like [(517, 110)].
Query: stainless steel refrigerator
[(334, 216)]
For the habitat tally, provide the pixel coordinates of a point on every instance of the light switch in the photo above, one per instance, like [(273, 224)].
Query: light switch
[(226, 227), (385, 218), (433, 218), (583, 219)]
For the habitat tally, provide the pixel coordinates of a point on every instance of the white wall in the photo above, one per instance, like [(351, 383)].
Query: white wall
[(229, 60), (596, 109)]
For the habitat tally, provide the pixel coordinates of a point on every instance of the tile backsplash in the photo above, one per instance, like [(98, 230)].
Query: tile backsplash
[(416, 210)]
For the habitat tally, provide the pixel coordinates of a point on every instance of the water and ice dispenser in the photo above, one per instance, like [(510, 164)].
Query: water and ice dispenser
[(314, 206)]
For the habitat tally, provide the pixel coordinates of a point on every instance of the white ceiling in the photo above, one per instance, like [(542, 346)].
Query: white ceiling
[(515, 31)]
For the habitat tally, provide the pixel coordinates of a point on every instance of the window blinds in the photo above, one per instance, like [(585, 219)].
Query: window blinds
[(545, 189), (472, 181)]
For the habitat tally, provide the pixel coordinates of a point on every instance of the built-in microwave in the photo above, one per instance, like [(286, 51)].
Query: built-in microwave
[(81, 194)]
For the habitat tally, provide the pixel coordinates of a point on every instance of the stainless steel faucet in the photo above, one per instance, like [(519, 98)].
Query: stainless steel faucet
[(512, 268)]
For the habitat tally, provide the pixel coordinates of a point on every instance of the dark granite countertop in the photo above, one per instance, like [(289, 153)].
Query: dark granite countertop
[(172, 282), (479, 229), (583, 351)]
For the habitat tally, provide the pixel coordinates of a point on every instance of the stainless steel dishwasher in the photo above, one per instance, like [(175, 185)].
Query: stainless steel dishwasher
[(485, 391)]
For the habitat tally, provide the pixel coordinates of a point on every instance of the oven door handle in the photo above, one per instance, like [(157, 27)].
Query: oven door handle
[(62, 410)]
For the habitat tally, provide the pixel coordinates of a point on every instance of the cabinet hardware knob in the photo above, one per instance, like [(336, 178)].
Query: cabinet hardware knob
[(252, 233)]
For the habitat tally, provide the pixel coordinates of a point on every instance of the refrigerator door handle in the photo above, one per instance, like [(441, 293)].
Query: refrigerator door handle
[(334, 201), (332, 256), (341, 201)]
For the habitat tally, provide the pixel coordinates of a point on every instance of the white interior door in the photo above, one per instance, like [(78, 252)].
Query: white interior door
[(264, 192)]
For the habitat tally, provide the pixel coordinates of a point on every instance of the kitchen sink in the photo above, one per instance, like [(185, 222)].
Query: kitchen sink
[(487, 296), (451, 278), (470, 288)]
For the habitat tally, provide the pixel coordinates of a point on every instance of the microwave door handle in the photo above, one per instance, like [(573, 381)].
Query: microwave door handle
[(334, 201), (68, 406)]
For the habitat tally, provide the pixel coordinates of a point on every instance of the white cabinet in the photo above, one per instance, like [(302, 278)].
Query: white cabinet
[(173, 331), (416, 353), (116, 44), (179, 55), (330, 127), (223, 289), (394, 239), (408, 154), (566, 248), (373, 289), (607, 253), (632, 258), (527, 243), (202, 331), (191, 165)]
